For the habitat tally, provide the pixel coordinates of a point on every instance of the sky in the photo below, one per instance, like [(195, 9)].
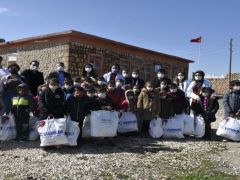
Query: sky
[(161, 25)]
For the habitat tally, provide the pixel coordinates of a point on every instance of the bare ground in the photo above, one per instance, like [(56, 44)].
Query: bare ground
[(131, 157)]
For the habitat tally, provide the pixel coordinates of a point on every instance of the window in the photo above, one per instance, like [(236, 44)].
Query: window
[(125, 64), (147, 72), (157, 67), (12, 58), (96, 61)]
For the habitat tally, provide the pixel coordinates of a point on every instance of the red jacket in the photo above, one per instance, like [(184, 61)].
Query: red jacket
[(117, 96)]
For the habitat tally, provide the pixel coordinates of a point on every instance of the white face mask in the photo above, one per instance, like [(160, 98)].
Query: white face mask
[(163, 86), (87, 69), (173, 90), (160, 75), (34, 68), (130, 97), (125, 74), (134, 75), (77, 84), (60, 68), (118, 84), (100, 82), (198, 78), (236, 88), (205, 94), (90, 94), (102, 95), (180, 77)]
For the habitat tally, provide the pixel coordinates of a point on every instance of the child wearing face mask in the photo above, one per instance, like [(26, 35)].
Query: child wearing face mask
[(161, 76), (148, 106), (179, 103), (231, 100), (88, 71), (77, 107), (207, 107), (77, 81), (103, 102), (22, 105), (127, 79), (116, 94), (130, 103), (68, 88), (52, 101), (135, 80)]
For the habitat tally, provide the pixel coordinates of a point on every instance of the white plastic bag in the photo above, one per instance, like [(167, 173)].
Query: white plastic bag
[(72, 132), (86, 129), (53, 132), (199, 126), (33, 132), (7, 128), (155, 128), (188, 123), (229, 128), (127, 123), (104, 123), (173, 128)]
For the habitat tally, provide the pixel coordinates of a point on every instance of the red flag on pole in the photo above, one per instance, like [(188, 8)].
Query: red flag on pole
[(197, 40)]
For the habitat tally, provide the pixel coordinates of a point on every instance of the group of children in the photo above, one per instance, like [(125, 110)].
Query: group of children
[(121, 91)]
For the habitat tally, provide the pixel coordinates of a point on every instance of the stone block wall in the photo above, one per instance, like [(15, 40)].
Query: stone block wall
[(48, 54), (221, 85)]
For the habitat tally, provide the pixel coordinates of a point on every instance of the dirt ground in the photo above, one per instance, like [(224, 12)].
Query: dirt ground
[(122, 157)]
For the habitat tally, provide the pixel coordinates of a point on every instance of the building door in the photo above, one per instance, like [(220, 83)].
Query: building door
[(96, 61)]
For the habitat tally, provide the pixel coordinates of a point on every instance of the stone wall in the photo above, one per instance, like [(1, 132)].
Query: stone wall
[(48, 54), (221, 85), (76, 54), (81, 54)]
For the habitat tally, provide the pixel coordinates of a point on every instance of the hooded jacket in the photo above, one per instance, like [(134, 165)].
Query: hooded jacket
[(148, 105)]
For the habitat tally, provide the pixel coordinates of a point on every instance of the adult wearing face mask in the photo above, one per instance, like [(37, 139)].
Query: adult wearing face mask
[(182, 82), (195, 87), (161, 76), (52, 101), (114, 74), (10, 83), (88, 71), (33, 76), (60, 74), (231, 100), (148, 106), (178, 99), (135, 80)]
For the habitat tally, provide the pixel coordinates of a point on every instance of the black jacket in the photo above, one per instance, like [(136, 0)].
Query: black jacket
[(210, 111), (52, 103), (157, 81), (137, 81), (77, 107), (33, 79), (179, 101)]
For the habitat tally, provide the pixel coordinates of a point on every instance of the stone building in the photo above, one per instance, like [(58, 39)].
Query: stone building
[(76, 49)]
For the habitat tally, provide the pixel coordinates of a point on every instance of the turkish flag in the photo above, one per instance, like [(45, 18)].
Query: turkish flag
[(197, 40)]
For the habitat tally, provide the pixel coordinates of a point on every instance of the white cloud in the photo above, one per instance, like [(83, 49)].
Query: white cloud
[(3, 10)]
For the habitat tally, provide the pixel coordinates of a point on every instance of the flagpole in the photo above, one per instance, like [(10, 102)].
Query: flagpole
[(199, 53)]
